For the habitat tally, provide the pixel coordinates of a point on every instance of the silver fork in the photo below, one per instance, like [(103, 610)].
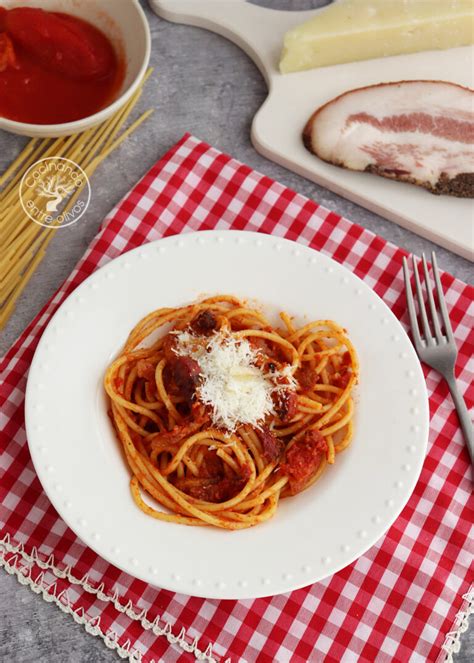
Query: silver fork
[(439, 350)]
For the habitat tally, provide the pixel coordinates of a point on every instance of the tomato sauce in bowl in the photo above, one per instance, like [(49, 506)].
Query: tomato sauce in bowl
[(54, 67)]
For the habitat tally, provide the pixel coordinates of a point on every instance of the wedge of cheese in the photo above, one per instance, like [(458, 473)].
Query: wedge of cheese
[(350, 30)]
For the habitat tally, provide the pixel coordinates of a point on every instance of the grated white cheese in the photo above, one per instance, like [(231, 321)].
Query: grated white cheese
[(291, 382), (237, 391)]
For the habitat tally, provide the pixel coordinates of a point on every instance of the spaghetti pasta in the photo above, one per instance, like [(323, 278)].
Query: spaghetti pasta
[(193, 415), (23, 243)]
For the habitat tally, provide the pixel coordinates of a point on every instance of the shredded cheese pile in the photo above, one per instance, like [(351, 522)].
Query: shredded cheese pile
[(237, 391)]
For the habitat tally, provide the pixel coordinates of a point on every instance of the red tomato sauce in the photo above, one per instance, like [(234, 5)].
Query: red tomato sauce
[(54, 67)]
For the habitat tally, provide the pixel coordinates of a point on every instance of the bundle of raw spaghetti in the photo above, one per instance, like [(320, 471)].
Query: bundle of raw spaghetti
[(23, 242)]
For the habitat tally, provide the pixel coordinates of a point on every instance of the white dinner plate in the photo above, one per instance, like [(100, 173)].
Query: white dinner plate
[(314, 534)]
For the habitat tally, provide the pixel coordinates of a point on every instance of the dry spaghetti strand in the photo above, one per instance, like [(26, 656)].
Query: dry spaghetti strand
[(23, 243)]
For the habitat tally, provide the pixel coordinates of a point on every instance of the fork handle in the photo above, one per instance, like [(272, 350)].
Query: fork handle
[(463, 414)]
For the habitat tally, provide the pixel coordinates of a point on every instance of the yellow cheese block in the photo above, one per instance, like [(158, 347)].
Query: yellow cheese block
[(351, 30)]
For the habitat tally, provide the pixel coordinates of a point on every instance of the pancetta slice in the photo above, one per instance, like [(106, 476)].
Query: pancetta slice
[(414, 131)]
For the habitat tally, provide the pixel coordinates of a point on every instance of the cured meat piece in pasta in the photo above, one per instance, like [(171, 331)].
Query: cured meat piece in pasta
[(204, 323), (303, 458), (286, 404), (186, 375), (307, 377), (272, 446)]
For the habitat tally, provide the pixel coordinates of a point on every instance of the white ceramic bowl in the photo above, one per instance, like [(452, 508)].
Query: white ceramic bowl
[(124, 22)]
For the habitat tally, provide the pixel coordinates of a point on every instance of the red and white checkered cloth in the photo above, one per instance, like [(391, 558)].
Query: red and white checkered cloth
[(395, 603)]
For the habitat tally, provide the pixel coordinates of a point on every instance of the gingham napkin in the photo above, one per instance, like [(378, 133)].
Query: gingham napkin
[(397, 602)]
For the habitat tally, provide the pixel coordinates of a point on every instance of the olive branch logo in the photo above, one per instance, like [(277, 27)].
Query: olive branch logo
[(57, 188), (55, 192)]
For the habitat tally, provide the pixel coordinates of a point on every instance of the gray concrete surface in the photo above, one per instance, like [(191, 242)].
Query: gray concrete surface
[(205, 85)]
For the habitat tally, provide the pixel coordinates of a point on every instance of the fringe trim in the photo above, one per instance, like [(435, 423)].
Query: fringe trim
[(92, 625), (452, 643)]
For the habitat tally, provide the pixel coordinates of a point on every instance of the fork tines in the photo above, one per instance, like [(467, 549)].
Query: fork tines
[(426, 337)]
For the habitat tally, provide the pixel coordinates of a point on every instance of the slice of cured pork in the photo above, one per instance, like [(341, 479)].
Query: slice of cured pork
[(414, 131)]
